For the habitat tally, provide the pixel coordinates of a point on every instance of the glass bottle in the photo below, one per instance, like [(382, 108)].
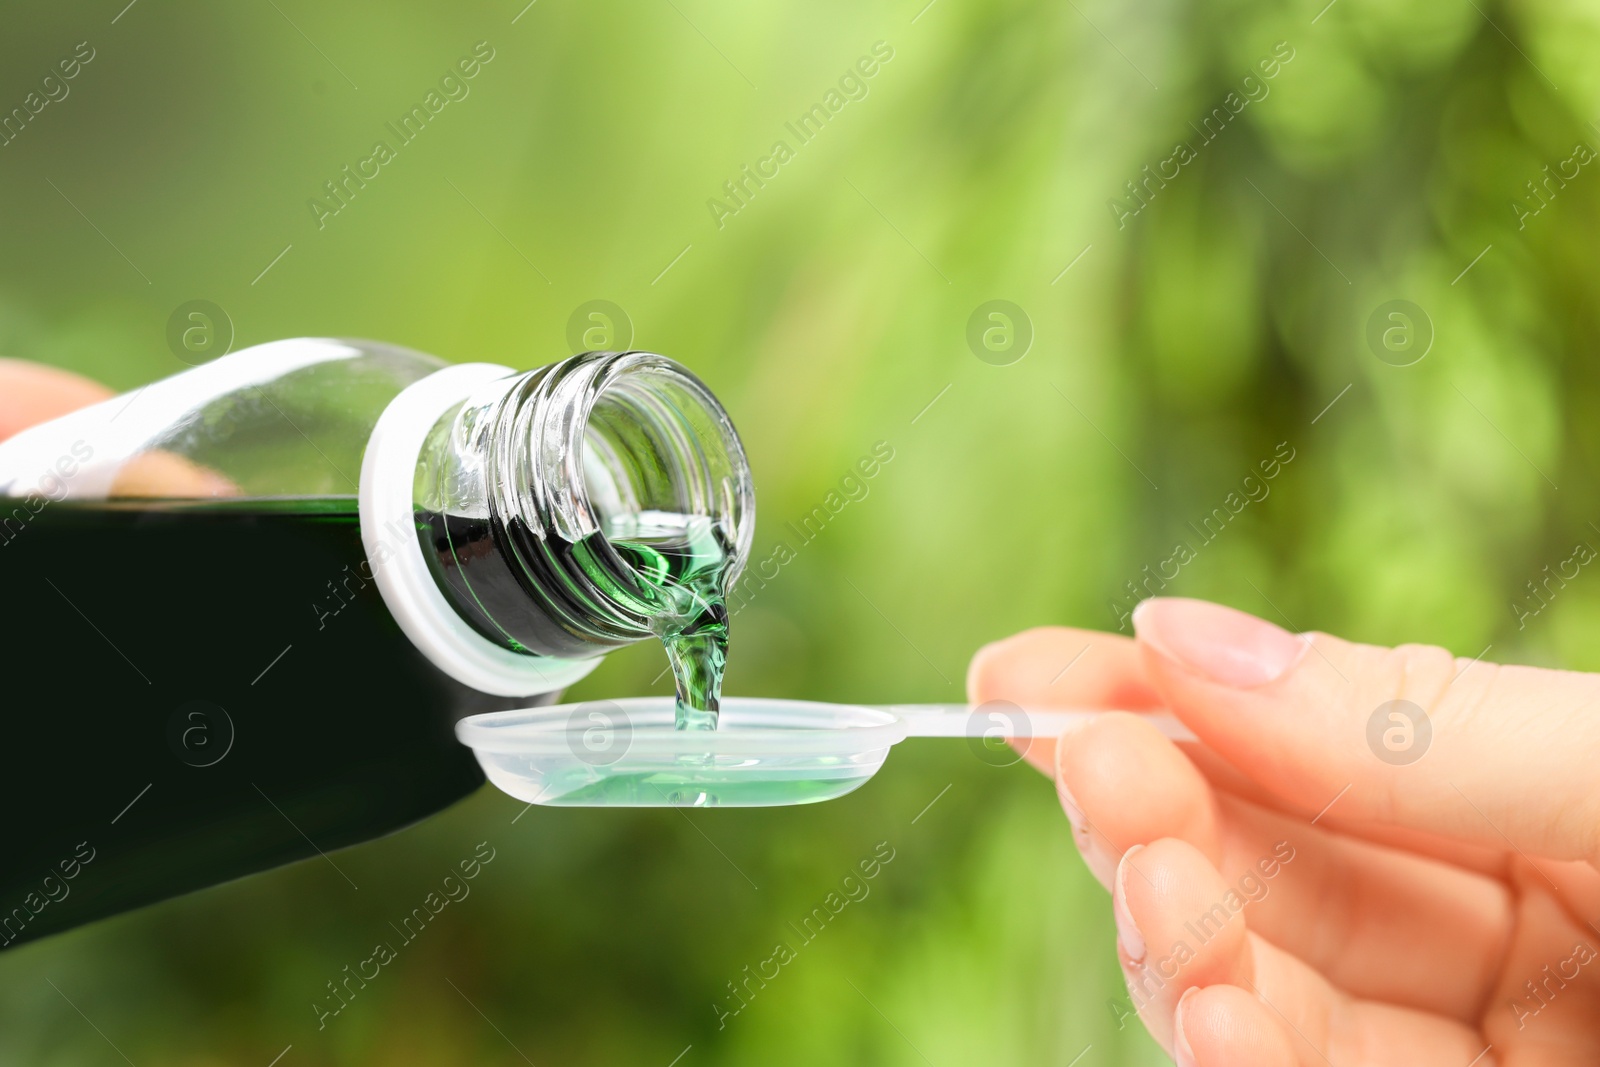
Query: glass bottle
[(254, 598)]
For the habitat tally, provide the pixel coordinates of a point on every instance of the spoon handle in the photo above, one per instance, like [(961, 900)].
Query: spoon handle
[(1009, 720)]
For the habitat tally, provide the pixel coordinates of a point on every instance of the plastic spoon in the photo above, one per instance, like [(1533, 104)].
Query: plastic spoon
[(627, 753)]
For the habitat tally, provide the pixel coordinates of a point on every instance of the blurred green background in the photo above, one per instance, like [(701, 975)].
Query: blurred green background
[(1388, 159)]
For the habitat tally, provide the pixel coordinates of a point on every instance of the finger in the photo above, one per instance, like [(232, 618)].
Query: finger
[(1123, 784), (1156, 891), (1083, 668), (1510, 760), (31, 393), (1575, 885), (1331, 1027), (1482, 859), (1056, 666), (1377, 922), (1161, 888), (1224, 1026), (166, 474), (1545, 1009)]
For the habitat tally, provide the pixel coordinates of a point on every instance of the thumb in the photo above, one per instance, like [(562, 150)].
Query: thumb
[(1410, 736)]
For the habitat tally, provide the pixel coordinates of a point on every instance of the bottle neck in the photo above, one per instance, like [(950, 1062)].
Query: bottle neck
[(586, 505)]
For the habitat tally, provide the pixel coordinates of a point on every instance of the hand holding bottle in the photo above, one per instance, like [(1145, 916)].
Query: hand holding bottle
[(1373, 856), (31, 393)]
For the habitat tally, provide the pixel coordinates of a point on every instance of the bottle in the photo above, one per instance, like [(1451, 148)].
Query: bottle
[(252, 600)]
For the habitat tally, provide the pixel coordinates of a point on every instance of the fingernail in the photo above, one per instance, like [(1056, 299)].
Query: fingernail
[(1128, 934), (1096, 856), (1220, 644), (1091, 846), (1181, 1050)]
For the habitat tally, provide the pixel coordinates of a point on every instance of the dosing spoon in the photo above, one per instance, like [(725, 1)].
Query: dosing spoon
[(764, 752)]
